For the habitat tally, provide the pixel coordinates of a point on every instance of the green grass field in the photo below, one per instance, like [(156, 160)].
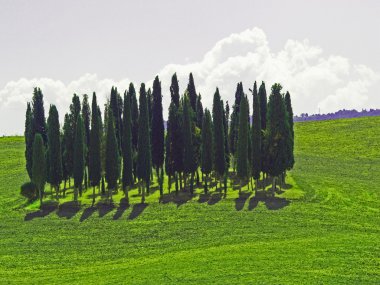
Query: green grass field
[(323, 229)]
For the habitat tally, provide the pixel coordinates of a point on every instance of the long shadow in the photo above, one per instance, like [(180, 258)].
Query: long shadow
[(137, 210), (178, 199), (87, 213), (43, 212), (276, 203), (203, 198), (287, 186), (215, 198), (121, 209), (104, 208), (253, 203), (240, 201), (68, 210)]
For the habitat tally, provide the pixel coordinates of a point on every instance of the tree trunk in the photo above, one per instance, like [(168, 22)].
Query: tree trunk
[(273, 185), (69, 182), (93, 195), (184, 181), (205, 180), (126, 194), (41, 197), (197, 177), (180, 181), (176, 182), (142, 193), (169, 183), (225, 184), (191, 183)]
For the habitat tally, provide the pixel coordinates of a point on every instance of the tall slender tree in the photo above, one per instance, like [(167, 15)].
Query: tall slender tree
[(39, 165), (189, 159), (263, 105), (39, 122), (199, 112), (79, 163), (28, 134), (192, 93), (94, 166), (112, 156), (207, 147), (54, 146), (86, 114), (158, 135), (67, 150), (135, 125), (114, 106), (174, 90), (290, 144), (144, 149), (256, 137), (127, 146), (218, 135), (242, 145)]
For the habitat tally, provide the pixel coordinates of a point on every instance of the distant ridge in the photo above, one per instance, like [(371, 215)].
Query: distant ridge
[(341, 114)]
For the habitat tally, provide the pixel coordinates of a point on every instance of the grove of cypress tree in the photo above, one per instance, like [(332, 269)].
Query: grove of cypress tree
[(144, 149), (112, 156), (242, 143), (158, 135), (174, 90), (277, 134), (218, 135), (94, 159), (189, 158), (39, 165), (127, 177), (79, 163), (256, 137), (54, 147), (28, 134), (207, 147)]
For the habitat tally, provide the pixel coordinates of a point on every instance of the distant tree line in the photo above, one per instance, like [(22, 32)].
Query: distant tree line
[(130, 147), (341, 114)]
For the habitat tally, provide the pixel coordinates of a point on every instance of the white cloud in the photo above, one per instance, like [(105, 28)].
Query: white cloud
[(315, 80)]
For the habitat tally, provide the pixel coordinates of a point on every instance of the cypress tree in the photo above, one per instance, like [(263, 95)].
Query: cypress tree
[(75, 110), (290, 152), (144, 151), (94, 166), (242, 144), (67, 150), (39, 122), (112, 156), (225, 126), (277, 134), (174, 90), (207, 146), (127, 146), (263, 105), (54, 146), (192, 93), (189, 159), (256, 137), (176, 150), (135, 124), (86, 114), (218, 135), (39, 165), (234, 126), (28, 134), (114, 106), (158, 135), (168, 157), (199, 112), (79, 163)]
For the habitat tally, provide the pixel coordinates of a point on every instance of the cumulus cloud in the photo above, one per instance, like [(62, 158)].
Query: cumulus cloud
[(314, 79)]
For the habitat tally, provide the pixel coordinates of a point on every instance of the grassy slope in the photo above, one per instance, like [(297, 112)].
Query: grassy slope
[(327, 231)]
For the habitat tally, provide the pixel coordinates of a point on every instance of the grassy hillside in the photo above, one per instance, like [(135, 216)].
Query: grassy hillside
[(325, 228)]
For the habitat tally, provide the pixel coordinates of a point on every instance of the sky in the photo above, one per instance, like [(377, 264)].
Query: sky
[(325, 53)]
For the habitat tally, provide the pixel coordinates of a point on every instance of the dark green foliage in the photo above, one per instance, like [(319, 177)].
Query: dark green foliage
[(75, 110), (112, 155), (134, 115), (189, 157), (256, 135), (169, 169), (39, 165), (115, 108), (290, 138), (149, 100), (39, 122), (28, 134), (218, 135), (207, 147), (94, 165), (263, 105), (242, 143), (235, 118), (79, 163), (192, 93), (225, 126), (67, 148), (176, 145), (199, 112), (127, 177), (54, 147), (174, 90), (277, 132), (86, 114), (144, 154), (29, 191)]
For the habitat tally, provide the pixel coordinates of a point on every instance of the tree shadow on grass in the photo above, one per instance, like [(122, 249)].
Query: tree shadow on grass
[(253, 203), (124, 204), (137, 210), (45, 210), (276, 203), (203, 198), (104, 208), (178, 199), (215, 198), (240, 201), (68, 209), (87, 213)]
